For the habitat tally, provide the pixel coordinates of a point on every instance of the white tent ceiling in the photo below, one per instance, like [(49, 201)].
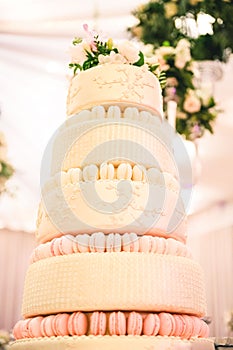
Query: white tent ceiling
[(34, 37)]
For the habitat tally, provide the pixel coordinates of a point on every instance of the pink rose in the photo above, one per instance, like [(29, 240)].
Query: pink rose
[(192, 103)]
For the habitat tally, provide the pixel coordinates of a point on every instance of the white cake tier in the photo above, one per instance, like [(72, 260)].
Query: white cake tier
[(94, 137), (121, 84), (114, 281), (112, 343), (143, 207)]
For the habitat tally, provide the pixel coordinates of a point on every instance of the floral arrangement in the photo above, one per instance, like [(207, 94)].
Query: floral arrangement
[(6, 170), (207, 24), (92, 51), (196, 107)]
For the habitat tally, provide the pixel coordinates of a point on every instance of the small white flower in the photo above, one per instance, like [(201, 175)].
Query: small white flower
[(129, 51)]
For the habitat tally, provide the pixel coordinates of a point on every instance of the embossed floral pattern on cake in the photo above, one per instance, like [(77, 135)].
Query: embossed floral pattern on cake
[(132, 85)]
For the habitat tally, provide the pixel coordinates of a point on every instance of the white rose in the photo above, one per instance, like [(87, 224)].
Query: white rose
[(112, 58), (183, 55), (205, 93), (148, 50), (152, 60), (162, 63), (129, 51), (192, 103), (170, 9), (161, 54), (180, 61), (165, 51), (183, 43)]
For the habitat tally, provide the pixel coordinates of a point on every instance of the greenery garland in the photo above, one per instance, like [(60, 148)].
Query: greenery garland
[(157, 19)]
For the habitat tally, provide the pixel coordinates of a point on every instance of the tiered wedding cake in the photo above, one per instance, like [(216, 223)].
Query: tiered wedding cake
[(112, 269)]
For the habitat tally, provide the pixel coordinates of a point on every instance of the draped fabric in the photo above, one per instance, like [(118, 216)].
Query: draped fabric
[(212, 246), (15, 250)]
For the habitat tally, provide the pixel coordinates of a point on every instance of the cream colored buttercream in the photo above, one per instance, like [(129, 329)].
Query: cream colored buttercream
[(114, 281), (120, 84)]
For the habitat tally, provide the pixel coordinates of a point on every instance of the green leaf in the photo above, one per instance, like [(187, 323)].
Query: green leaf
[(140, 62), (7, 170), (77, 41)]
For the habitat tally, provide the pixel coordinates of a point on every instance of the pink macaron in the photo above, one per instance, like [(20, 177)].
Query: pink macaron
[(25, 329), (46, 326), (97, 242), (171, 247), (60, 324), (204, 333), (66, 245), (82, 242), (134, 323), (151, 324), (187, 333), (113, 242), (34, 327), (54, 247), (182, 334), (167, 324), (153, 245), (196, 326), (77, 324), (17, 331), (98, 323), (161, 245), (145, 244), (179, 325), (117, 323), (21, 329)]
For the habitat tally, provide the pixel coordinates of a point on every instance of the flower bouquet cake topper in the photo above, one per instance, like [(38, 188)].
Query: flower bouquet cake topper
[(93, 51)]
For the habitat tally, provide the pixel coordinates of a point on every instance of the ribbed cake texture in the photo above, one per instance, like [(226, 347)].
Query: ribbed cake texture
[(111, 269)]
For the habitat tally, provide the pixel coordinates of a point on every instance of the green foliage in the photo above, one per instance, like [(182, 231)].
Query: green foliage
[(156, 24), (92, 50), (6, 170)]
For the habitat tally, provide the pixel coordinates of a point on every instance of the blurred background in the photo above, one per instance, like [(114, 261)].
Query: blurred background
[(34, 40)]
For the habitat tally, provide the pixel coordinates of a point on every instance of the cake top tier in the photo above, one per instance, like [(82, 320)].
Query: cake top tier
[(106, 73)]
